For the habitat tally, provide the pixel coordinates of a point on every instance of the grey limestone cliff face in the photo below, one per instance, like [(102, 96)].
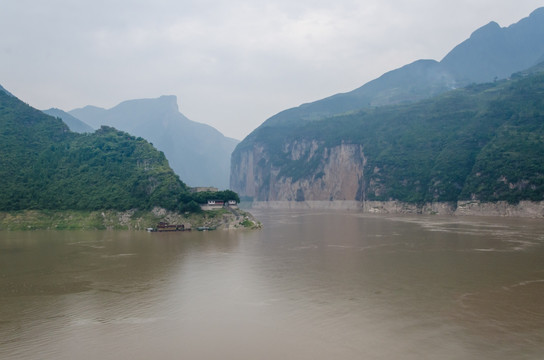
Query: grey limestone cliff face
[(329, 174), (334, 178)]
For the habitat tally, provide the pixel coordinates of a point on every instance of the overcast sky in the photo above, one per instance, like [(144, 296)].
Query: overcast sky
[(232, 64)]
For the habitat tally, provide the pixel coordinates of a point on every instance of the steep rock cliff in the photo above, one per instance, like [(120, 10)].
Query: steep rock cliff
[(314, 172), (481, 143)]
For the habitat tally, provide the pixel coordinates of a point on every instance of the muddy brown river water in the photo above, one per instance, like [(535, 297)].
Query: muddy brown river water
[(309, 285)]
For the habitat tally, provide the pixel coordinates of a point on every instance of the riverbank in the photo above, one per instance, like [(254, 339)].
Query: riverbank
[(123, 220), (529, 209)]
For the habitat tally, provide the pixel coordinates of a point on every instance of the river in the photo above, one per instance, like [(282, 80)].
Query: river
[(309, 285)]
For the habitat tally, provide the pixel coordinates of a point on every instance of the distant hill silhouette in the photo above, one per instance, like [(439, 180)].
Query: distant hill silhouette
[(491, 53), (198, 153), (73, 123)]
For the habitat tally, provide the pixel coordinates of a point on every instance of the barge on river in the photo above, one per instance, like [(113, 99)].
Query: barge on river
[(166, 227)]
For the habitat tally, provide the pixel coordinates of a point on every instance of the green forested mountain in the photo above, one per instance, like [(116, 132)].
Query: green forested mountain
[(407, 136), (483, 142), (43, 165)]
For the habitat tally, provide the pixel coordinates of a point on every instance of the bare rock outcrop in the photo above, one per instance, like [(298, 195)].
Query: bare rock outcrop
[(335, 173), (309, 175)]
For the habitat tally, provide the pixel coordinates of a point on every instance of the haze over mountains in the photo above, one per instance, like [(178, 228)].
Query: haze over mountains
[(198, 153), (43, 165), (73, 123), (480, 143), (314, 150), (491, 53)]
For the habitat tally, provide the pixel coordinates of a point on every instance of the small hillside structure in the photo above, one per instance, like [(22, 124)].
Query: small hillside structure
[(218, 204)]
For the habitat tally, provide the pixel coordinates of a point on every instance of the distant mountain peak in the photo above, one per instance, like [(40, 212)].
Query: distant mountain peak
[(169, 98), (486, 31), (537, 12), (92, 107), (494, 52), (170, 101), (165, 104)]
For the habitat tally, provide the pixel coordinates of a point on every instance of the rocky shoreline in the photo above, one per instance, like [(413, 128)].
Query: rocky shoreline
[(136, 220), (527, 209), (224, 219)]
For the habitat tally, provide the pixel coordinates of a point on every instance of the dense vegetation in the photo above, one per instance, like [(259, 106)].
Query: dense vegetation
[(482, 142), (45, 166)]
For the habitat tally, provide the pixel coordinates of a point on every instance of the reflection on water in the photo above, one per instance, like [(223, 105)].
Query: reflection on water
[(310, 285)]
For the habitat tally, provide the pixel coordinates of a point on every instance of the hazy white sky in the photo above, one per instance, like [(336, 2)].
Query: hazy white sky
[(232, 64)]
